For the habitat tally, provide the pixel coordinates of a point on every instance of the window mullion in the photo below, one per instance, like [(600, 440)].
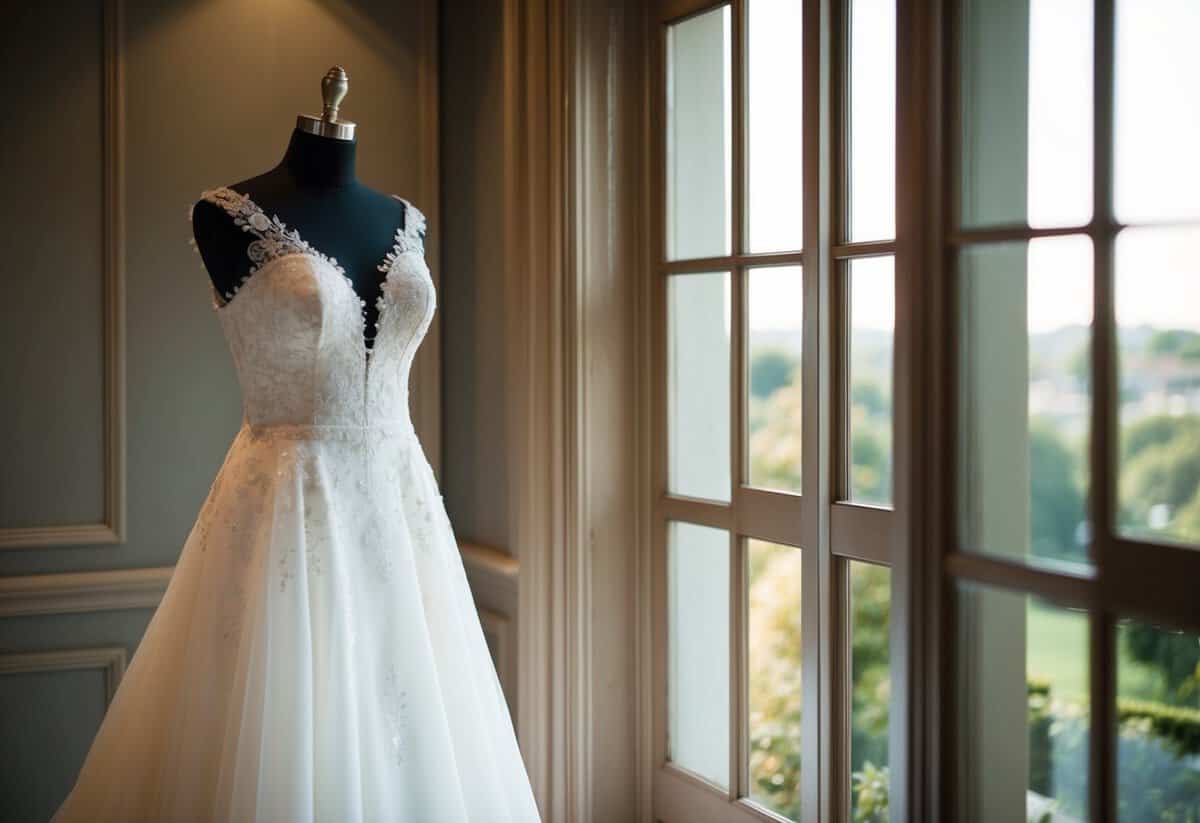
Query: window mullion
[(739, 767), (1102, 687), (818, 626)]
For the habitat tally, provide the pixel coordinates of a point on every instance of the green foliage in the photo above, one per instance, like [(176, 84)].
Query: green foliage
[(1176, 655), (1177, 726), (1055, 495), (1161, 468), (1157, 744), (1175, 342), (870, 791), (775, 677), (771, 370)]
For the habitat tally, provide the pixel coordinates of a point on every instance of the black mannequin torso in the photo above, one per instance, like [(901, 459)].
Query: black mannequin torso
[(315, 191)]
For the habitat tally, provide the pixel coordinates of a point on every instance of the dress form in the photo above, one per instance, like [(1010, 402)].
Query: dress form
[(315, 190)]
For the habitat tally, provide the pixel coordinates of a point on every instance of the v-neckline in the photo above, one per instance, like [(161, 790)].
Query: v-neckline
[(301, 247)]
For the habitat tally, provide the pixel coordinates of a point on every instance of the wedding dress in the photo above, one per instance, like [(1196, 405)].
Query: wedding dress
[(317, 654)]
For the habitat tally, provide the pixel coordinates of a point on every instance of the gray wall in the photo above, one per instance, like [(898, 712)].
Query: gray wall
[(211, 93), (473, 345)]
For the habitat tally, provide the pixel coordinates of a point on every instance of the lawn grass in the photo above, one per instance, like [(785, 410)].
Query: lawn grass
[(1057, 650)]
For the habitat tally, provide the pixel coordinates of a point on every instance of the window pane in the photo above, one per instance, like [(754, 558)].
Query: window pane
[(699, 132), (870, 608), (1024, 402), (1157, 110), (698, 385), (773, 412), (1026, 112), (773, 125), (871, 284), (773, 653), (1158, 712), (872, 119), (698, 651), (1023, 697), (1158, 334)]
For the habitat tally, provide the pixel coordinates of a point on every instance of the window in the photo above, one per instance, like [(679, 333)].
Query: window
[(773, 329), (1076, 300), (925, 323)]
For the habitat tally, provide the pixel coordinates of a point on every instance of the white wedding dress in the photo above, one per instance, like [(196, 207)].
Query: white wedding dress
[(317, 654)]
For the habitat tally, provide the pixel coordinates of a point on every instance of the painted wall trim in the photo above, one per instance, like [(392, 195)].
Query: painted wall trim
[(71, 592), (111, 659), (112, 528)]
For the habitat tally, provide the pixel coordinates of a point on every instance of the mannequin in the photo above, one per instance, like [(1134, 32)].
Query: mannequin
[(314, 190)]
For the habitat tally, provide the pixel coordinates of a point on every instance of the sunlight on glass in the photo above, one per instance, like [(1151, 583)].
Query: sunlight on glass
[(1158, 349), (698, 650), (872, 120), (698, 385), (1158, 711), (699, 136), (773, 126), (1026, 113), (1024, 385), (870, 689), (773, 647), (1157, 110), (774, 347), (872, 289), (1023, 696)]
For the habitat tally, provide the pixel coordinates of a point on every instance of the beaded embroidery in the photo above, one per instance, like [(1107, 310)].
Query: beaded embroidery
[(274, 240)]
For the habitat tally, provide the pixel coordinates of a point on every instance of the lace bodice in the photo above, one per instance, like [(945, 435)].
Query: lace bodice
[(296, 326)]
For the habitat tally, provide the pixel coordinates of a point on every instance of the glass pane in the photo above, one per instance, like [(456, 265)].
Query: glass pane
[(1026, 112), (871, 285), (1024, 402), (1157, 110), (1158, 335), (698, 385), (870, 609), (699, 136), (1158, 711), (872, 120), (698, 651), (773, 649), (773, 126), (773, 411), (1023, 702)]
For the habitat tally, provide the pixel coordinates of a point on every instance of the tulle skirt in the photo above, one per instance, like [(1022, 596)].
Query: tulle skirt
[(316, 656)]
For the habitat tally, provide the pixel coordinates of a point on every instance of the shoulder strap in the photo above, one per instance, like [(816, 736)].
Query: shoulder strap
[(412, 236)]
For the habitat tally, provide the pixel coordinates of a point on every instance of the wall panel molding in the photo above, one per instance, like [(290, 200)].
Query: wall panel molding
[(72, 592), (112, 528), (111, 659)]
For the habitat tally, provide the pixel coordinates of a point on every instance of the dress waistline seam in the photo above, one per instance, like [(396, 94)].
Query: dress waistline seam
[(325, 431)]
